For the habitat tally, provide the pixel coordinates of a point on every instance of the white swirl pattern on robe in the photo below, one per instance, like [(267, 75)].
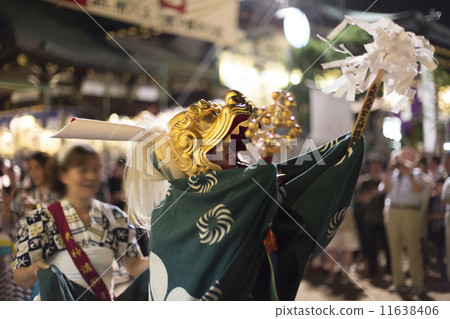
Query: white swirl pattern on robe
[(335, 221), (159, 283), (349, 153), (169, 192), (281, 194), (324, 147), (214, 225), (203, 184), (214, 293)]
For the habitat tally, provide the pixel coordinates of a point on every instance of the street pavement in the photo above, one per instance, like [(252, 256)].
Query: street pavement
[(316, 287)]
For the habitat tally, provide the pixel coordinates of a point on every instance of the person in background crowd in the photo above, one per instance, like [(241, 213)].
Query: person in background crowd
[(9, 182), (115, 182), (103, 193), (446, 165), (39, 194), (99, 229), (374, 230), (435, 171), (359, 210), (341, 249), (446, 199), (423, 164), (422, 169), (5, 247), (403, 187), (436, 227), (118, 198), (21, 201), (26, 181)]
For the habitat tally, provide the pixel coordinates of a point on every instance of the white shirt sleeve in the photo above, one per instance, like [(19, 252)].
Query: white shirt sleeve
[(446, 190)]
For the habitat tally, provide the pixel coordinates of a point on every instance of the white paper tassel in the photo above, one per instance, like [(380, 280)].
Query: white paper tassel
[(396, 51)]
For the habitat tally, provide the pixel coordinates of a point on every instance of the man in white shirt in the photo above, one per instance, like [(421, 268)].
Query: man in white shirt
[(403, 187)]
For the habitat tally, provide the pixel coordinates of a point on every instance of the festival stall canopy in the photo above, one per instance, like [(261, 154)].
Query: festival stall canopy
[(62, 35), (213, 20)]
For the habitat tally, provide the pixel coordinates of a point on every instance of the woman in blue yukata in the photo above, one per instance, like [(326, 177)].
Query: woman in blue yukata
[(95, 233)]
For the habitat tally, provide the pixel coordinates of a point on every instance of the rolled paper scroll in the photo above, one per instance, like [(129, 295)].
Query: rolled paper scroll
[(99, 130)]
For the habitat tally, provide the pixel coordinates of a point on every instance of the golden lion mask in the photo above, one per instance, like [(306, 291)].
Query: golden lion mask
[(195, 132)]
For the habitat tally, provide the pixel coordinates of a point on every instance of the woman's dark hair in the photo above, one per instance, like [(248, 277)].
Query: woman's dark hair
[(74, 157), (436, 159), (40, 157), (423, 160)]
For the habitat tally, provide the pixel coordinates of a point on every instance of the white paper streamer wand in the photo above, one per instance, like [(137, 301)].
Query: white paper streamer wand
[(394, 54)]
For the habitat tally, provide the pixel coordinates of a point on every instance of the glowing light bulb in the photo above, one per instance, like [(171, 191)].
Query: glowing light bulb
[(296, 27)]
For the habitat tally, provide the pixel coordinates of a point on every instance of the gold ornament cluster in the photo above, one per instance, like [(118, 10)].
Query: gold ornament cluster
[(274, 126)]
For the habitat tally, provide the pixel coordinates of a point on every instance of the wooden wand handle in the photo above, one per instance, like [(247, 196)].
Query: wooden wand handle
[(363, 115)]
